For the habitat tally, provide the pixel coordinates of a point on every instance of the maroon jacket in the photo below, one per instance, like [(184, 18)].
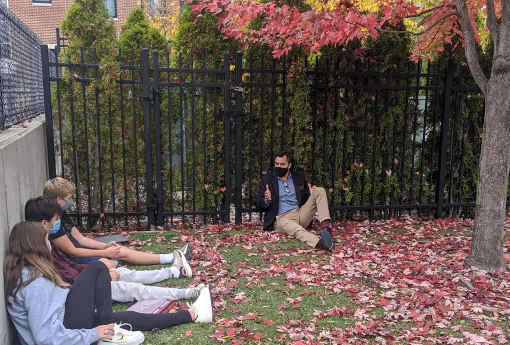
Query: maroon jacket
[(67, 269)]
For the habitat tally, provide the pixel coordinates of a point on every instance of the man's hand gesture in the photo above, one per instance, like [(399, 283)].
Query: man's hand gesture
[(267, 194), (311, 188)]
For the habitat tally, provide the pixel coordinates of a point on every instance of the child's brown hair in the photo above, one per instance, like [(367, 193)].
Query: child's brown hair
[(58, 188), (28, 248)]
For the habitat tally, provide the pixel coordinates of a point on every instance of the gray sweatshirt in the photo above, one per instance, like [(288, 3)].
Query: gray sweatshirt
[(39, 314)]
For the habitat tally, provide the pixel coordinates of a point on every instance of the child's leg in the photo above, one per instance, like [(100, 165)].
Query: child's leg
[(147, 322), (144, 277), (141, 258), (90, 291), (130, 292), (109, 263), (84, 260)]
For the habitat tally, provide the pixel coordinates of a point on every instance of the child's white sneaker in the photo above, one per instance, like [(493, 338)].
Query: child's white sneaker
[(182, 265), (123, 336), (203, 306), (194, 293)]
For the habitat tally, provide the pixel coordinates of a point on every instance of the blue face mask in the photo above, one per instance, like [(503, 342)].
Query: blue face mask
[(67, 205), (56, 227)]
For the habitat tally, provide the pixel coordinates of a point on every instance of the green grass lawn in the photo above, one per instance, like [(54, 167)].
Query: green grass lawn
[(389, 282)]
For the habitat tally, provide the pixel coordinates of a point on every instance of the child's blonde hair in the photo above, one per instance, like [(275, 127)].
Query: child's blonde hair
[(58, 188)]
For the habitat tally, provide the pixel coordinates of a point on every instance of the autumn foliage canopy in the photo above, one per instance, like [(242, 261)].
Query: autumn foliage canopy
[(338, 22)]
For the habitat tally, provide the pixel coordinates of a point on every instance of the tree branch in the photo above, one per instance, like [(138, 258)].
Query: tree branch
[(492, 22), (423, 21), (427, 11), (470, 46), (378, 28)]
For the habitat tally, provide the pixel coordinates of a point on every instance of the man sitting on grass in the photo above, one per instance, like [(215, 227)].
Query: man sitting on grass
[(289, 203)]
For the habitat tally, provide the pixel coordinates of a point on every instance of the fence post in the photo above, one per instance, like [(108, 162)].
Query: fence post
[(45, 62), (58, 39), (239, 137), (444, 136), (226, 109), (147, 96), (157, 134)]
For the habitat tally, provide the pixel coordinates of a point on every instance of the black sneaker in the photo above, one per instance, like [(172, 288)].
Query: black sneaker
[(328, 229), (321, 245), (327, 239)]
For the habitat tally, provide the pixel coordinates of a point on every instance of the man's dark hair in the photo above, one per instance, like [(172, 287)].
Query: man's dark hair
[(285, 153), (41, 208)]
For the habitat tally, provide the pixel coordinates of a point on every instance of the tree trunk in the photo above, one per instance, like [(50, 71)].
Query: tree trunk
[(488, 233)]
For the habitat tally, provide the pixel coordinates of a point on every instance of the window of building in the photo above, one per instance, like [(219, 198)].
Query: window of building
[(111, 6), (41, 1), (148, 5)]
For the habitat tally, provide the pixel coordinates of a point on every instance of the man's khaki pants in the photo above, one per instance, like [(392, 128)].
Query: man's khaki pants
[(293, 223)]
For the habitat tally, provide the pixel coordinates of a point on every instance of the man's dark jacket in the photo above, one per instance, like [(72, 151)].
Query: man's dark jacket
[(271, 179)]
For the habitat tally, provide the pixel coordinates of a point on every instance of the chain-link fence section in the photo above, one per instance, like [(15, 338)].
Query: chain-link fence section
[(21, 88)]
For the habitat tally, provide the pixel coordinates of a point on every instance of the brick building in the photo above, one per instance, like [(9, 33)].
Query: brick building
[(44, 16)]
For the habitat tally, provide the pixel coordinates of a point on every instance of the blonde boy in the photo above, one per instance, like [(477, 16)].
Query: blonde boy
[(81, 249)]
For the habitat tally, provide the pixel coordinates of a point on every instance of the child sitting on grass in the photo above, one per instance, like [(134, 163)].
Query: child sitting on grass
[(81, 249), (127, 285), (48, 311)]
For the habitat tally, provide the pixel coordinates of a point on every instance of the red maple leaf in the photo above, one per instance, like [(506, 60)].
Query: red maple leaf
[(251, 316), (258, 336), (231, 331), (268, 322)]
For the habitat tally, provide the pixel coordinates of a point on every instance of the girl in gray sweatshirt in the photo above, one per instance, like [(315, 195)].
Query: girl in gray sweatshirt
[(46, 310)]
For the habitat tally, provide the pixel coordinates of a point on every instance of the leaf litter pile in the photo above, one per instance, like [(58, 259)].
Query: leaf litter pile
[(399, 281)]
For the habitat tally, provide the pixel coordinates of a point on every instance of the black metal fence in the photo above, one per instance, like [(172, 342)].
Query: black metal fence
[(128, 151), (177, 139), (21, 89), (381, 142)]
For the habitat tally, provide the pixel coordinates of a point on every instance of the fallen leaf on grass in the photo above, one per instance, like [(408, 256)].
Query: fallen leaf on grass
[(251, 316), (392, 271), (258, 336), (231, 331), (268, 322)]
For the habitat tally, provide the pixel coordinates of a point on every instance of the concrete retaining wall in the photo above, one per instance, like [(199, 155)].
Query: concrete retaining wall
[(23, 172)]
